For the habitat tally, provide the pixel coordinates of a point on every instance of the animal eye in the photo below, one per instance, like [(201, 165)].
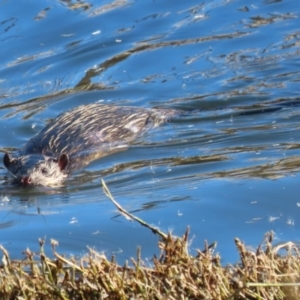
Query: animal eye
[(44, 171)]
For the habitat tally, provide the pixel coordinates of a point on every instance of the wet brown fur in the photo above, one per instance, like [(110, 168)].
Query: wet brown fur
[(84, 133)]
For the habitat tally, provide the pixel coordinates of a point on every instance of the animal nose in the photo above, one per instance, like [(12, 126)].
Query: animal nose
[(26, 180)]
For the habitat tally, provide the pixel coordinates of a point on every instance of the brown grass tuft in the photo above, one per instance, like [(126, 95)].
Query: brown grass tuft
[(268, 272)]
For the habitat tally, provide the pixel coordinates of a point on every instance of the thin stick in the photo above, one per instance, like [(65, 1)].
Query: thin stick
[(260, 284), (128, 215)]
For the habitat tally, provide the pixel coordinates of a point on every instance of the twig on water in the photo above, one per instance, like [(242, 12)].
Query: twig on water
[(128, 215)]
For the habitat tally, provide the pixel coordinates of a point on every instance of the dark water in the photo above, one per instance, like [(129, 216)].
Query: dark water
[(228, 167)]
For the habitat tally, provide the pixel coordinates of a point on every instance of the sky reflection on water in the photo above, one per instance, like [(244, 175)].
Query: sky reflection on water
[(227, 167)]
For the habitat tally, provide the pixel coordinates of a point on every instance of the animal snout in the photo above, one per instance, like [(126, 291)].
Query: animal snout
[(26, 180)]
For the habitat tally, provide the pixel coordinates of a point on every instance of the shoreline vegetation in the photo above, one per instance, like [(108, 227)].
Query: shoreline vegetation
[(268, 272)]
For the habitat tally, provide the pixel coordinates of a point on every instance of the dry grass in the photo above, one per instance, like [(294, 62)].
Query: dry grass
[(262, 274), (176, 274)]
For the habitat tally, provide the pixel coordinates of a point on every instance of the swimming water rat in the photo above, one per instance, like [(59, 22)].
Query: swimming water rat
[(77, 137)]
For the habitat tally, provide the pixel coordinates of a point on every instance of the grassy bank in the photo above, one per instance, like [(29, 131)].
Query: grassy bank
[(268, 272)]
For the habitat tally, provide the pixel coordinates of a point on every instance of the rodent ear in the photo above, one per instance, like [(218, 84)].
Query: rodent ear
[(63, 161), (6, 160)]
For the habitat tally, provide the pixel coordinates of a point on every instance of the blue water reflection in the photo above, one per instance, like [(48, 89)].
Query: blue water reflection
[(227, 166)]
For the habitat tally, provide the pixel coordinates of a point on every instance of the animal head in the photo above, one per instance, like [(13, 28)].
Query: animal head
[(37, 169)]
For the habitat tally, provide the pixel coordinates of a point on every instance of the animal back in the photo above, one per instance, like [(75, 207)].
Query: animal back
[(95, 126)]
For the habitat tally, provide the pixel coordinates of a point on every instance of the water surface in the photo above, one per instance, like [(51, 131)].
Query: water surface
[(227, 167)]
